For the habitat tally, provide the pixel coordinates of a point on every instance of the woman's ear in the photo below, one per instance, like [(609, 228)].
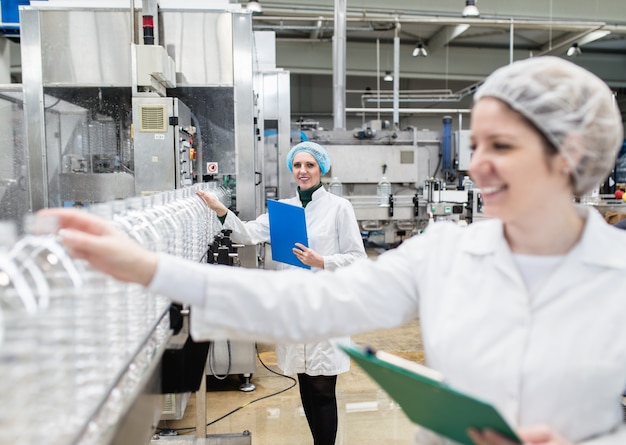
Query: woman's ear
[(572, 151), (562, 165)]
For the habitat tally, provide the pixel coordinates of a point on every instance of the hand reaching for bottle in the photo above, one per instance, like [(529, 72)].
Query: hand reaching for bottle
[(212, 202), (103, 246)]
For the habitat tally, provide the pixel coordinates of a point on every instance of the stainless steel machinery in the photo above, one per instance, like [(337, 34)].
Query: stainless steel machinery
[(92, 65), (109, 116), (397, 180), (162, 144), (14, 190)]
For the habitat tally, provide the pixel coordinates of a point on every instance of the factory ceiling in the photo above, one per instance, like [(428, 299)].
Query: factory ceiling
[(542, 28), (436, 32), (461, 49)]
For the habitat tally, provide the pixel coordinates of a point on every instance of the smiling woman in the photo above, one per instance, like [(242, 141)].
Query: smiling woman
[(535, 144), (306, 171), (507, 150), (334, 241), (571, 107)]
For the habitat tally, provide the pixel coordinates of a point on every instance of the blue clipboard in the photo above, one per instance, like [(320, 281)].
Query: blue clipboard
[(287, 227)]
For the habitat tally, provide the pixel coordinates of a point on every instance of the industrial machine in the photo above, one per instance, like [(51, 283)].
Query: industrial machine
[(164, 154), (14, 190), (398, 180), (123, 109)]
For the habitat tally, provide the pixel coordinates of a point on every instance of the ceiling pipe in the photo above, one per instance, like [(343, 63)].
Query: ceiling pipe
[(396, 78), (339, 66), (315, 33), (377, 75), (426, 111), (313, 28), (453, 26), (561, 25)]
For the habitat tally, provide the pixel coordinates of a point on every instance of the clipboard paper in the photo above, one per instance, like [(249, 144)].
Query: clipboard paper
[(427, 400), (287, 227)]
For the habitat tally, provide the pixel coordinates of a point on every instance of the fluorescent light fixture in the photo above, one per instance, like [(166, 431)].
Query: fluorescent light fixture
[(574, 50), (420, 50), (470, 9), (593, 36), (254, 6), (388, 77)]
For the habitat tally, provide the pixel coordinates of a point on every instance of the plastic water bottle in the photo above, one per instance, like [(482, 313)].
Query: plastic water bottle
[(467, 183), (383, 190), (335, 186), (592, 198)]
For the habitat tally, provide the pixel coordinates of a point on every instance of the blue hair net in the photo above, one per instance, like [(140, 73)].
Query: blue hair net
[(315, 150)]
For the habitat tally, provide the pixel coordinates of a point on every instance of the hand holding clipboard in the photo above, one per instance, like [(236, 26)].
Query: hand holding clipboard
[(427, 400), (287, 227)]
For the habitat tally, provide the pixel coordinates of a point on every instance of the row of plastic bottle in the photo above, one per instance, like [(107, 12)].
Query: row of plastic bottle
[(383, 190), (68, 334)]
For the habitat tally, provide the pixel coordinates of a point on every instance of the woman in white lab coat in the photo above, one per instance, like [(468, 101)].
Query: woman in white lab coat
[(524, 310), (334, 241)]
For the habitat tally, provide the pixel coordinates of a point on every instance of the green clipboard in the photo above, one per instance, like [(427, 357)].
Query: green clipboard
[(427, 401)]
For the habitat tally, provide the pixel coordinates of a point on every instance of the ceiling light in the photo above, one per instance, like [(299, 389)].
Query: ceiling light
[(388, 77), (254, 7), (574, 50), (593, 36), (420, 50), (470, 9)]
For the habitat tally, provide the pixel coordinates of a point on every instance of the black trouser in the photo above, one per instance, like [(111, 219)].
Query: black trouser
[(320, 406)]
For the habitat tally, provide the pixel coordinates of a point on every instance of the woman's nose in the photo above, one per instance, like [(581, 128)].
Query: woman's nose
[(478, 162)]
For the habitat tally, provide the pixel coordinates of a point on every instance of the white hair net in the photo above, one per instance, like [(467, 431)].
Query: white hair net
[(315, 150), (574, 109)]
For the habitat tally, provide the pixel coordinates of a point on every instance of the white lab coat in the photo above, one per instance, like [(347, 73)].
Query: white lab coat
[(333, 232), (557, 357)]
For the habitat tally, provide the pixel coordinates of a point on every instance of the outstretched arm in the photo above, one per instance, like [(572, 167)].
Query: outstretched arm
[(103, 246), (213, 203)]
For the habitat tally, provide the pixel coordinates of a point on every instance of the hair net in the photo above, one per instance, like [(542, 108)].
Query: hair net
[(316, 150), (574, 109)]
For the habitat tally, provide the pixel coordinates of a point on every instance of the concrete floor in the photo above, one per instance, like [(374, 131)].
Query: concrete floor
[(366, 414)]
